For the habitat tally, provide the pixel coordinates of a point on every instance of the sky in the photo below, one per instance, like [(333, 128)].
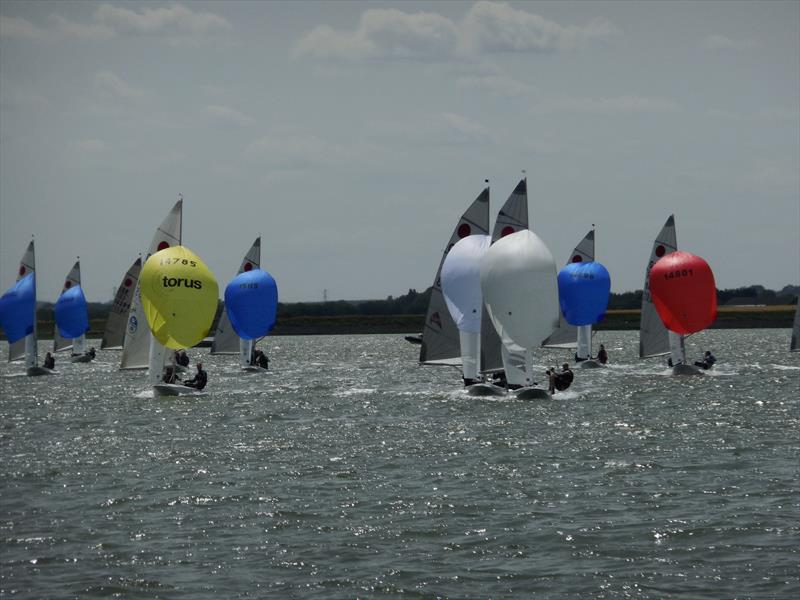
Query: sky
[(352, 135)]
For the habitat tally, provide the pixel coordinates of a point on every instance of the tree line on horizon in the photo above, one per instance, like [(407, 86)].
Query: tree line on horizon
[(416, 303)]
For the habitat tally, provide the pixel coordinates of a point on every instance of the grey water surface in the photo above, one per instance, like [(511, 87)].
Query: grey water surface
[(350, 471)]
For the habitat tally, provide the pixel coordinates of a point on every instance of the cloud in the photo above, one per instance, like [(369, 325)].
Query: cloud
[(227, 114), (444, 129), (496, 84), (301, 152), (110, 85), (720, 42), (618, 104), (15, 27), (498, 27), (386, 34), (171, 19), (174, 22)]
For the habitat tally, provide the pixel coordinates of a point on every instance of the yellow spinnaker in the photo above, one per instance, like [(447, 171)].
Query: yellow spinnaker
[(179, 297)]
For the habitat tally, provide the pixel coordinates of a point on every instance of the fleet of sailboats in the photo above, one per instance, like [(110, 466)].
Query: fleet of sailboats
[(495, 301)]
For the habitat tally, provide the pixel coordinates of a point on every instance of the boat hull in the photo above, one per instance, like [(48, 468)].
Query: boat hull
[(253, 369), (81, 358), (589, 364), (532, 393), (174, 389), (485, 389), (682, 370), (37, 371)]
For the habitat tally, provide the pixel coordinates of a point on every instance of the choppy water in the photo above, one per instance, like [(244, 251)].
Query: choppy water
[(348, 471)]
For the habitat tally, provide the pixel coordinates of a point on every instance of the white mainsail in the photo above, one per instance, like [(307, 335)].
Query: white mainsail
[(26, 347), (225, 339), (461, 286), (654, 338), (795, 344), (440, 337), (566, 335), (136, 350), (78, 345), (114, 335), (518, 280)]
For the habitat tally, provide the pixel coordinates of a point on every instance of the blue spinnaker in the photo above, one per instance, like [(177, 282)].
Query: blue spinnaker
[(72, 316), (18, 308), (251, 302), (583, 291)]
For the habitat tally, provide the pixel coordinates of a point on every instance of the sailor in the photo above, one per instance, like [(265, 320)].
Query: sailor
[(199, 380), (602, 355), (91, 352), (261, 359), (49, 362), (707, 362), (560, 381), (181, 358), (169, 374)]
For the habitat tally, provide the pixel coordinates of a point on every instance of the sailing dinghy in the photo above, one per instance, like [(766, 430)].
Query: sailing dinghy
[(72, 318), (583, 291), (18, 316), (440, 336), (679, 298), (179, 300), (518, 281), (251, 306)]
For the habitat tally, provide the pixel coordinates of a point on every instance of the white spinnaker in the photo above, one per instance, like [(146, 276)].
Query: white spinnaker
[(26, 347), (566, 335), (653, 335), (136, 347), (60, 343), (114, 335), (225, 339), (518, 280), (461, 286), (441, 343), (795, 343), (512, 217)]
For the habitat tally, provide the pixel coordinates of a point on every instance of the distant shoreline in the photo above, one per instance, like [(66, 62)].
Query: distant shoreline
[(738, 317)]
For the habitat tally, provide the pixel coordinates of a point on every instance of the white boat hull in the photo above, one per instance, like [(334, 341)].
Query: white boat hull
[(485, 389), (253, 369), (532, 393)]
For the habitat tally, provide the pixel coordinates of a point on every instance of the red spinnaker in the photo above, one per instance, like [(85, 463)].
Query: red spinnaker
[(683, 290)]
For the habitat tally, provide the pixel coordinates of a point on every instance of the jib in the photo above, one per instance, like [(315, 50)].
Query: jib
[(182, 281)]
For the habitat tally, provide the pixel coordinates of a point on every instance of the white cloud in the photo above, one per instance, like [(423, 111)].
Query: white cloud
[(487, 27), (721, 42), (498, 85), (81, 31), (110, 85), (301, 152), (465, 131), (227, 114), (15, 27), (175, 18), (498, 27), (445, 129), (618, 104)]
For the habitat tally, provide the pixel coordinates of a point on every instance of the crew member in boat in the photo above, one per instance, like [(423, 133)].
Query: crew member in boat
[(199, 380), (602, 355), (707, 362), (260, 359), (181, 358), (169, 375), (49, 361), (560, 380)]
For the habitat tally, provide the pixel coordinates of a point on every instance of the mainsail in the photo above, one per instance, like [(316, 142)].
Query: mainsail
[(136, 348), (654, 339), (225, 339), (114, 335), (440, 337), (60, 343), (566, 335), (17, 350)]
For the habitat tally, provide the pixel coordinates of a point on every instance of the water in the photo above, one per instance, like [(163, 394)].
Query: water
[(348, 471)]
